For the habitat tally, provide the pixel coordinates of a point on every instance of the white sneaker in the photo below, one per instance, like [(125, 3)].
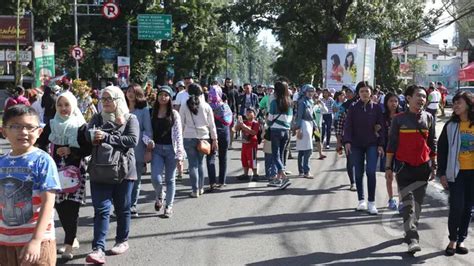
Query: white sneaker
[(372, 209), (362, 205)]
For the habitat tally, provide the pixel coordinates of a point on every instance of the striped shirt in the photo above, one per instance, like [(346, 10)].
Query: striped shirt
[(22, 180), (329, 102)]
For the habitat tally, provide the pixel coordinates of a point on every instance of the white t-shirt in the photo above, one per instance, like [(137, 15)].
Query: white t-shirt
[(181, 98), (433, 100)]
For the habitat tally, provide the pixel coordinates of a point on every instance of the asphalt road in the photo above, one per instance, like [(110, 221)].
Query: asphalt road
[(311, 222)]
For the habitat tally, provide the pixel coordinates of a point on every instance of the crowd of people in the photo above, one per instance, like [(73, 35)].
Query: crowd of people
[(48, 164)]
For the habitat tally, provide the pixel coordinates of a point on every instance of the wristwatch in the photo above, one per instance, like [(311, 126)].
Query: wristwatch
[(388, 168)]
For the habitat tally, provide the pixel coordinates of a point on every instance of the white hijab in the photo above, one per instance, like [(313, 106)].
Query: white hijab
[(64, 129), (122, 108)]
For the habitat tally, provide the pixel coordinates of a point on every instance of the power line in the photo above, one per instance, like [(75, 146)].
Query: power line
[(436, 29)]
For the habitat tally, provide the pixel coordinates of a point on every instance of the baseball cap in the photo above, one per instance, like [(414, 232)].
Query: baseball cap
[(166, 89)]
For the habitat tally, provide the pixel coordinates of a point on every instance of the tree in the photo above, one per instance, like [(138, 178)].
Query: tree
[(304, 28)]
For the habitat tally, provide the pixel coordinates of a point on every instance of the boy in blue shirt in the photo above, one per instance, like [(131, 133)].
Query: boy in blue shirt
[(28, 181)]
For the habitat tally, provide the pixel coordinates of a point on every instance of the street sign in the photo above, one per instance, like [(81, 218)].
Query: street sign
[(154, 27), (110, 10), (77, 53), (25, 56)]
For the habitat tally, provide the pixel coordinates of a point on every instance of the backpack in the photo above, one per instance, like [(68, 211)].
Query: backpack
[(109, 164)]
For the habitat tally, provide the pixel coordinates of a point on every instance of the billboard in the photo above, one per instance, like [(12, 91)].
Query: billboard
[(366, 60), (8, 30), (445, 71), (123, 71), (44, 63), (341, 68)]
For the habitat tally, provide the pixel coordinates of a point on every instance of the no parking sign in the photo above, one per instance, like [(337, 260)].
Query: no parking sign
[(110, 10), (77, 53)]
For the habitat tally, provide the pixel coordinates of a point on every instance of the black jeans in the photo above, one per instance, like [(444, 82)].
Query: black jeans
[(461, 200), (68, 212), (412, 183), (223, 138), (350, 170)]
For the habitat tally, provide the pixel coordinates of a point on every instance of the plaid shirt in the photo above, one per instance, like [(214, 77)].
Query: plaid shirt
[(339, 124)]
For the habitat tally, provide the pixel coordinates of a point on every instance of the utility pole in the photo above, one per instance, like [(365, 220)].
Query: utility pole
[(17, 55), (76, 39)]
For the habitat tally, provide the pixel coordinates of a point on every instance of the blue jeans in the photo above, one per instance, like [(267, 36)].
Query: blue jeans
[(303, 161), (103, 195), (270, 168), (163, 157), (359, 156), (278, 137), (349, 168), (326, 130), (195, 162), (461, 200), (137, 184), (223, 137)]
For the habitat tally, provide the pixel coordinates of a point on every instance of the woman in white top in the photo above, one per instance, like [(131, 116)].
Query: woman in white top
[(198, 124)]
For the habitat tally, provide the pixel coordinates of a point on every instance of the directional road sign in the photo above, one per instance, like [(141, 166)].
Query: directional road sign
[(154, 27)]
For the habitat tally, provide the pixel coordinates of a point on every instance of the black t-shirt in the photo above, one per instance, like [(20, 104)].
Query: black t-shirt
[(162, 131)]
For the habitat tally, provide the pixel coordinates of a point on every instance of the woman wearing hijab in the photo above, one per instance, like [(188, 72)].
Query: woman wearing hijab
[(198, 124), (223, 120), (66, 134), (114, 115)]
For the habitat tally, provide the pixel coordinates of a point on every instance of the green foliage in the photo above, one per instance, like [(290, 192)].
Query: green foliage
[(417, 67), (387, 69), (304, 28)]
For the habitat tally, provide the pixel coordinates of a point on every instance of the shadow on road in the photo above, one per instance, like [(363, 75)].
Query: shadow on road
[(377, 257)]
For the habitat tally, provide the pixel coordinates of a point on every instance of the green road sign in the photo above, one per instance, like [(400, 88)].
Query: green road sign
[(154, 27)]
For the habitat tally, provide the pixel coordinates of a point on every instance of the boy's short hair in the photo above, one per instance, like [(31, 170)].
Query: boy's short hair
[(19, 110), (251, 109)]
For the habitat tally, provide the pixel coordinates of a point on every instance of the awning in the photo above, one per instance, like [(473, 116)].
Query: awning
[(467, 73)]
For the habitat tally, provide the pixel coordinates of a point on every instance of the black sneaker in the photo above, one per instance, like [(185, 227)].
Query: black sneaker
[(255, 178), (285, 182), (243, 177)]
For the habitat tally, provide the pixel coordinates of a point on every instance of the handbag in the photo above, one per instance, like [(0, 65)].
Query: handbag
[(203, 146), (70, 177), (267, 131)]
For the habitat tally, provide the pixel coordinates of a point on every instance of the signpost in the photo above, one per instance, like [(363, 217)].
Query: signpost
[(77, 53), (110, 10), (154, 27)]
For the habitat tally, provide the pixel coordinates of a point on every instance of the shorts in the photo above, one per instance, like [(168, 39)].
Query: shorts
[(249, 155), (10, 256)]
